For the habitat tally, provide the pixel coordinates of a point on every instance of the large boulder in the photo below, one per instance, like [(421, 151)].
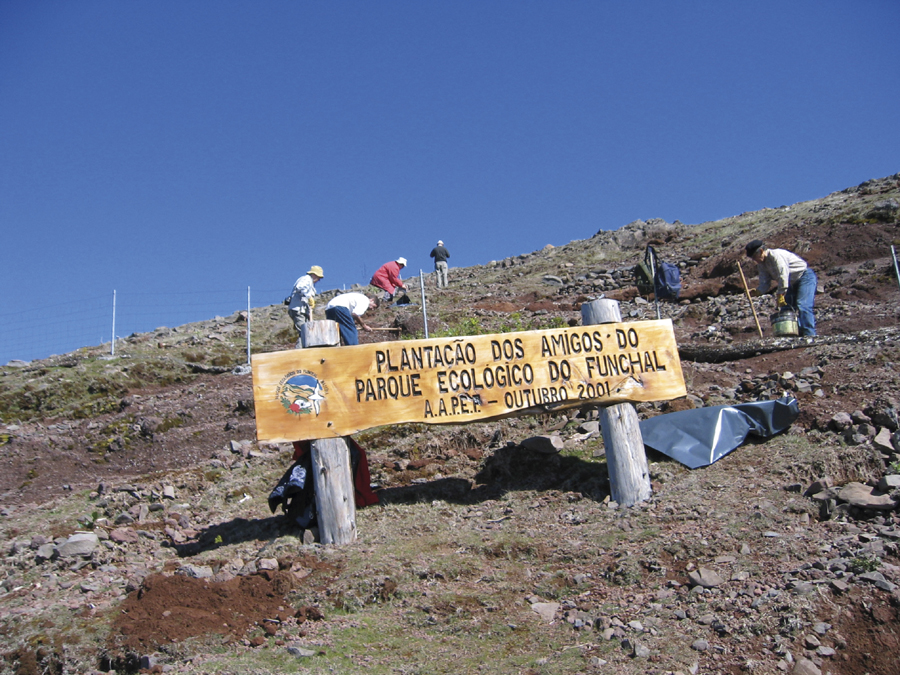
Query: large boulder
[(81, 544), (863, 496)]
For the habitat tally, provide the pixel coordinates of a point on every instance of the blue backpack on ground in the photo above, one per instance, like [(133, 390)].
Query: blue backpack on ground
[(666, 278), (668, 281)]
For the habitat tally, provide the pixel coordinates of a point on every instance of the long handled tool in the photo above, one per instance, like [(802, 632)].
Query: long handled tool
[(749, 299), (893, 255), (650, 259)]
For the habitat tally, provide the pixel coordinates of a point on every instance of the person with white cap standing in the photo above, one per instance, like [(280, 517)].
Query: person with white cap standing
[(387, 278), (303, 298), (440, 255)]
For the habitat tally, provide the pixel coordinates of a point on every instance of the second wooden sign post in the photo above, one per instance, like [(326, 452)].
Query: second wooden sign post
[(626, 459), (332, 475)]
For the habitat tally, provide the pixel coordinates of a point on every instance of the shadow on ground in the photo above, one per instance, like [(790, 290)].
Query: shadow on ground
[(509, 469)]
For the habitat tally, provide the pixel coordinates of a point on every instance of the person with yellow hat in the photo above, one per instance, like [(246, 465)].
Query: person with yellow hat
[(303, 298)]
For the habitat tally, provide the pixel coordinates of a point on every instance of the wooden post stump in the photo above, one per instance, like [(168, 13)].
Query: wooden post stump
[(629, 475), (332, 476), (320, 334)]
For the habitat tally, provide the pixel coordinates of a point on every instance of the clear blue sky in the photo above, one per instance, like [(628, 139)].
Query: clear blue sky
[(179, 152)]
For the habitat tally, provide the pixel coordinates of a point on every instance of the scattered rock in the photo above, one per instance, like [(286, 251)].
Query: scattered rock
[(546, 610), (805, 667), (706, 578), (864, 496), (195, 571), (841, 421), (81, 544), (889, 483), (123, 535)]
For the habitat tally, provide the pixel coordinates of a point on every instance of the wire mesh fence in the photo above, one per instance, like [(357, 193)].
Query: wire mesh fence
[(68, 325)]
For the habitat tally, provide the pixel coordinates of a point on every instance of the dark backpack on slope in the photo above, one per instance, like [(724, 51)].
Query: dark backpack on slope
[(667, 281), (643, 277)]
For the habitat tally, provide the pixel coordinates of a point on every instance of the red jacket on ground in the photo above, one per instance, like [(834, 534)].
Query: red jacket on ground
[(364, 496)]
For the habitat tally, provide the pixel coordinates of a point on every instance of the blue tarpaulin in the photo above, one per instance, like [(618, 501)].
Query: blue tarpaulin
[(701, 436)]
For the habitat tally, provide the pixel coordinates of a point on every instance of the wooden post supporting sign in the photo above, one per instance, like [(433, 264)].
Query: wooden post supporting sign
[(629, 475), (332, 476)]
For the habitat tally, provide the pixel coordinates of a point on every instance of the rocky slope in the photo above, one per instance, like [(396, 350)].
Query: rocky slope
[(136, 533)]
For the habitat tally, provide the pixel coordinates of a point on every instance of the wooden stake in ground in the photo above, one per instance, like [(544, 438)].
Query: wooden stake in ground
[(332, 476), (629, 475), (749, 299)]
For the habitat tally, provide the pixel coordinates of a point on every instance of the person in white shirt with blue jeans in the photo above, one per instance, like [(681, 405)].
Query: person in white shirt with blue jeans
[(347, 309), (796, 281)]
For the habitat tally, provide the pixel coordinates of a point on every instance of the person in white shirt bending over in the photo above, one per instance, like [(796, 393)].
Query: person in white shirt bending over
[(796, 281), (347, 309)]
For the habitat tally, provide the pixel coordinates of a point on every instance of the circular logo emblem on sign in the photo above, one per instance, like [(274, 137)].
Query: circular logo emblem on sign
[(301, 393)]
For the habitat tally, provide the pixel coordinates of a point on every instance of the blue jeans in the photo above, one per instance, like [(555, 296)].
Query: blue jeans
[(349, 333), (801, 296)]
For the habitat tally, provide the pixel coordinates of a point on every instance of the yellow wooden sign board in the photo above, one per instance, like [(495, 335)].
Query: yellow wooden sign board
[(325, 392)]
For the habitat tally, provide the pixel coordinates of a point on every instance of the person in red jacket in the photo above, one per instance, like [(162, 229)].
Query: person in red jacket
[(387, 278)]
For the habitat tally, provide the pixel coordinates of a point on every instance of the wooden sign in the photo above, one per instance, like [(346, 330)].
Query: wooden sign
[(326, 392)]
